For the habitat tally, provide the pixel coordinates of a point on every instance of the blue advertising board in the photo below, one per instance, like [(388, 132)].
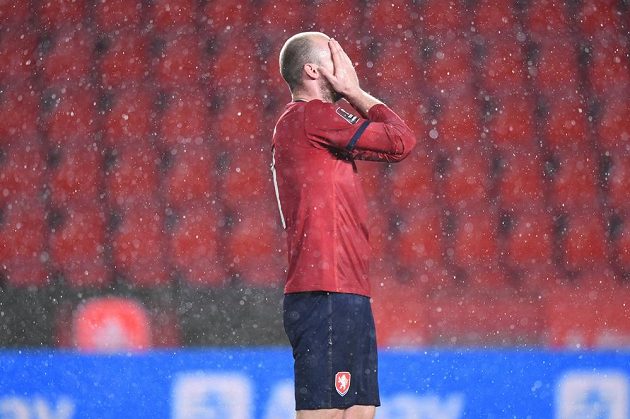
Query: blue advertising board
[(257, 384)]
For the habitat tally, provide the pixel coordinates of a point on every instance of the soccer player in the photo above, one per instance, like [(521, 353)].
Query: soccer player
[(327, 313)]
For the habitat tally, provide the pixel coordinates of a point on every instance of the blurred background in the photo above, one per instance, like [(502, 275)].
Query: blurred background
[(136, 200)]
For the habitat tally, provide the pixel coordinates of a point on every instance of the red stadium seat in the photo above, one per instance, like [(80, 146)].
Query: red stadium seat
[(133, 175), (72, 117), (566, 126), (76, 175), (19, 107), (18, 50), (255, 247), (111, 15), (55, 13), (185, 119), (77, 245), (619, 182), (231, 67), (407, 74), (520, 183), (195, 246), (190, 177), (280, 19), (556, 65), (173, 15), (449, 69), (22, 242), (472, 319), (22, 170), (138, 245), (574, 184), (238, 124), (246, 180), (417, 245), (400, 316), (622, 246), (585, 244), (125, 61), (474, 241), (546, 18), (442, 18), (329, 16), (111, 324), (613, 129), (388, 19), (466, 181), (15, 14), (70, 58), (457, 124), (503, 66), (530, 241), (179, 63), (608, 70), (411, 185), (596, 16), (222, 18), (511, 121), (131, 117), (495, 17)]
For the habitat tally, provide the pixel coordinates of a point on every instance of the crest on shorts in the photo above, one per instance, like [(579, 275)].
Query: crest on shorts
[(353, 119), (342, 382)]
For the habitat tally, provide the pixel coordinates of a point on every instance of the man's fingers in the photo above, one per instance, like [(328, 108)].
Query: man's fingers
[(334, 51)]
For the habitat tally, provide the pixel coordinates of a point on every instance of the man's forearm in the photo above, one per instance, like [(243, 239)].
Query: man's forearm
[(361, 100)]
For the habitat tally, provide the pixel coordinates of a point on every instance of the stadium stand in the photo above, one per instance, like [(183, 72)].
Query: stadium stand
[(135, 153)]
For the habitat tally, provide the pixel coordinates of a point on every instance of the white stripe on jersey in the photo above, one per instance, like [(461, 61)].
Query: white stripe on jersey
[(275, 185)]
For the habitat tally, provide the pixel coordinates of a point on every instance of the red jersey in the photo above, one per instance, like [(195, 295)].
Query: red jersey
[(319, 193)]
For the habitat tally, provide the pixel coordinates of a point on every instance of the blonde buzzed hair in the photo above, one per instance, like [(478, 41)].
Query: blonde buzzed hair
[(296, 52)]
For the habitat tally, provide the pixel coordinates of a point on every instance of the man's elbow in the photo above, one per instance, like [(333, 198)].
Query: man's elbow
[(408, 143)]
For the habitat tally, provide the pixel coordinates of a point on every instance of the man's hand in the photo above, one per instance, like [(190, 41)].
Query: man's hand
[(345, 81)]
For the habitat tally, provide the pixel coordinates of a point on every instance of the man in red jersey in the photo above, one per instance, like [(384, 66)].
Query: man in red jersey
[(327, 313)]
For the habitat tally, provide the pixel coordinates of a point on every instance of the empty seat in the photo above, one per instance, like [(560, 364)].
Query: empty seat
[(407, 74), (574, 185), (72, 117), (195, 244), (190, 177), (19, 106), (124, 63), (246, 180), (556, 65), (132, 176), (510, 121), (608, 70), (443, 18), (231, 66), (411, 186), (238, 124), (220, 19), (185, 119), (449, 67), (622, 246), (22, 170), (502, 65), (457, 125), (529, 242), (596, 16), (331, 15), (544, 18), (584, 242), (619, 182), (138, 245), (22, 242), (400, 315), (75, 173), (70, 57), (280, 19), (77, 245), (495, 18), (179, 62), (111, 15), (474, 240), (566, 125), (131, 117), (173, 15), (255, 249), (466, 180), (111, 324), (387, 19), (473, 319), (613, 128), (17, 55), (55, 13), (15, 14), (520, 183)]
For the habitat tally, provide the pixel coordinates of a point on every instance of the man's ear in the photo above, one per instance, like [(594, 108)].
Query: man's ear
[(312, 70)]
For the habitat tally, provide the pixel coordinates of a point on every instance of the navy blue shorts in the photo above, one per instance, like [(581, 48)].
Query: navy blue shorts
[(334, 348)]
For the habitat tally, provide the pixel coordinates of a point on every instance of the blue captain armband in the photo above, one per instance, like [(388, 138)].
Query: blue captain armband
[(357, 135)]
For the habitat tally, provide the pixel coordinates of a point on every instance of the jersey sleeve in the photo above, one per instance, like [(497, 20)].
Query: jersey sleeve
[(383, 136)]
